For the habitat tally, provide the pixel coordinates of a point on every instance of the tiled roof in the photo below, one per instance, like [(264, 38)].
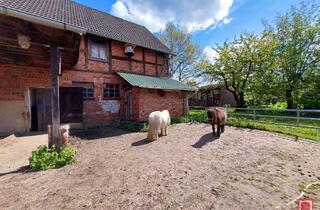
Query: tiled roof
[(151, 82), (94, 21)]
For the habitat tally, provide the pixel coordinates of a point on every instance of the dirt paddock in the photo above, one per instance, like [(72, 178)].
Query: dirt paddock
[(189, 169)]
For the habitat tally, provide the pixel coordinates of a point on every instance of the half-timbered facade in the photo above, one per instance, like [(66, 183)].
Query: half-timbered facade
[(62, 62)]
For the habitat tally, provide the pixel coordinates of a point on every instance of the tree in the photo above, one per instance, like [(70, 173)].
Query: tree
[(240, 63), (298, 35), (310, 96), (186, 53)]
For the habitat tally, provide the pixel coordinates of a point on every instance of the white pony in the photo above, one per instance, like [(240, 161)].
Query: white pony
[(158, 124)]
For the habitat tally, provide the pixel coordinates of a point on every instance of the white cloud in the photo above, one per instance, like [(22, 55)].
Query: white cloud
[(226, 20), (194, 15), (210, 54)]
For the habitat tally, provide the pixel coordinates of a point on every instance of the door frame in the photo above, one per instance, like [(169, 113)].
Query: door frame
[(128, 105), (33, 98)]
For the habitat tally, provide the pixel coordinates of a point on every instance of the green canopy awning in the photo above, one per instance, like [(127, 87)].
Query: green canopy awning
[(152, 82)]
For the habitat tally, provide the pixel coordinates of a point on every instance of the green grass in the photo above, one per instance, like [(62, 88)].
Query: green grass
[(199, 115), (267, 124)]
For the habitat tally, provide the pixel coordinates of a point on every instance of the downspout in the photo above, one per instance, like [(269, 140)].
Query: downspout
[(41, 20)]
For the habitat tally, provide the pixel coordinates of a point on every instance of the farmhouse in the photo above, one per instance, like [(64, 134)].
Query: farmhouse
[(62, 62), (212, 95)]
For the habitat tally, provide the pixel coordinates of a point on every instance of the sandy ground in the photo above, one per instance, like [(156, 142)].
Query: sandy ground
[(189, 169), (14, 151)]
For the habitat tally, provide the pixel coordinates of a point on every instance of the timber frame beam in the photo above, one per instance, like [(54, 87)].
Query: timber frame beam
[(55, 65)]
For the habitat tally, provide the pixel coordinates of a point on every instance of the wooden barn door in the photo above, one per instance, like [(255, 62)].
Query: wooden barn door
[(43, 108), (71, 104), (128, 102)]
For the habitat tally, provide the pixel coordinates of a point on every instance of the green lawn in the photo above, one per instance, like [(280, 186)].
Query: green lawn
[(199, 115)]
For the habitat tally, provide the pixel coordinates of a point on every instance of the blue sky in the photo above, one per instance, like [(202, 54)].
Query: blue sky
[(210, 21)]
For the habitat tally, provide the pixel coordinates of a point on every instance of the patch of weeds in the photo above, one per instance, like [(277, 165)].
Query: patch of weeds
[(177, 120), (315, 186), (302, 185), (134, 127), (47, 158), (311, 190)]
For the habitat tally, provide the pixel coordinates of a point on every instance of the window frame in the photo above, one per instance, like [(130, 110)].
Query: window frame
[(116, 90), (85, 85), (100, 45), (85, 92)]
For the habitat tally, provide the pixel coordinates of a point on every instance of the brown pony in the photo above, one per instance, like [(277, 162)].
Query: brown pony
[(217, 116)]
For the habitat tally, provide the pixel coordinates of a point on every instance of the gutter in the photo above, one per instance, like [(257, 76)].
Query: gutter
[(41, 20)]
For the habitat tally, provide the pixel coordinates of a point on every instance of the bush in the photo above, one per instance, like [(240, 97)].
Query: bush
[(45, 158)]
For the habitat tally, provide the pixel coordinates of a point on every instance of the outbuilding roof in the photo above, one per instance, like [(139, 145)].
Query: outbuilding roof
[(152, 82), (91, 20)]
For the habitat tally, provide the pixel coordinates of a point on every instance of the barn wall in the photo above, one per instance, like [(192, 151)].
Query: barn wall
[(12, 116), (14, 102), (16, 81), (151, 63), (94, 111), (18, 78), (149, 100)]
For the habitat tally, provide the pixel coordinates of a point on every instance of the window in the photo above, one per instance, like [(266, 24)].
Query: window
[(111, 90), (88, 92), (87, 89), (98, 50)]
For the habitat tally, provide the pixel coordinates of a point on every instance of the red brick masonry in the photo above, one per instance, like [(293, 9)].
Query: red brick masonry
[(17, 80)]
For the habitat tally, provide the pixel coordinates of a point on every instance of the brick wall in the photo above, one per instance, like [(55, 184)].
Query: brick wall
[(148, 100), (17, 80), (120, 61), (93, 112)]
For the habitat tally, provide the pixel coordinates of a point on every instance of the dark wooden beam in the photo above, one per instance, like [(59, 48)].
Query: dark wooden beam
[(134, 60), (86, 52), (157, 73), (144, 60), (110, 55), (130, 64), (55, 65), (167, 64), (42, 37)]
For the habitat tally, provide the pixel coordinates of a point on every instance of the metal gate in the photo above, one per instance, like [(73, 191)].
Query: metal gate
[(128, 102)]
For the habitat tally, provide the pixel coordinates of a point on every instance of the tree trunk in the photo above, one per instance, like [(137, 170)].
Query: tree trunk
[(289, 99), (239, 98)]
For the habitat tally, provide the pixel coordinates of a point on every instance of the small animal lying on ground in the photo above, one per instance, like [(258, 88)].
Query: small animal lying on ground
[(217, 116), (158, 124)]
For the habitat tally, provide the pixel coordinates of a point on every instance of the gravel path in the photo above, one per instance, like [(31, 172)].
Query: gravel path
[(188, 169)]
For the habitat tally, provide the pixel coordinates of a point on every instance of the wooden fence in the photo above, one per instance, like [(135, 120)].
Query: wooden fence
[(297, 115), (311, 116)]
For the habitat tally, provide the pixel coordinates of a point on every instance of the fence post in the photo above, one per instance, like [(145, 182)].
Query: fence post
[(298, 116), (254, 114)]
